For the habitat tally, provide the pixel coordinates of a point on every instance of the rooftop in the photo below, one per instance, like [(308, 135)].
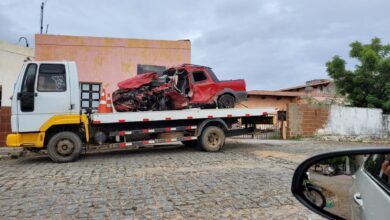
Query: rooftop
[(286, 93), (311, 83), (275, 93)]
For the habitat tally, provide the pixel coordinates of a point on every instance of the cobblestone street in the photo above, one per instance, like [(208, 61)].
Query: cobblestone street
[(248, 179)]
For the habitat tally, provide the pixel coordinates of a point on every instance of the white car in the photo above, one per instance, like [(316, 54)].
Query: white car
[(360, 191), (370, 190)]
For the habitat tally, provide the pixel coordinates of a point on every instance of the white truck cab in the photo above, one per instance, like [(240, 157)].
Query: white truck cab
[(45, 94), (44, 89)]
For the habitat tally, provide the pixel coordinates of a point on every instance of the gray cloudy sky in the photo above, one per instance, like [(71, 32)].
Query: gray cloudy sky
[(272, 44)]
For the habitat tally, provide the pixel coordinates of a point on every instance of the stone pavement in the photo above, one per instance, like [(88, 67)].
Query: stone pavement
[(241, 182)]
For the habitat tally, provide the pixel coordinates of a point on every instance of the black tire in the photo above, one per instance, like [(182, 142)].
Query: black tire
[(212, 139), (315, 196), (192, 143), (226, 101), (64, 147)]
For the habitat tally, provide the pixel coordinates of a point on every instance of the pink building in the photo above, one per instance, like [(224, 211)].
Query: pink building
[(107, 61)]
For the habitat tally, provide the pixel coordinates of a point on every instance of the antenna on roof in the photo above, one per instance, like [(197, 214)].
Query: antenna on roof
[(42, 8)]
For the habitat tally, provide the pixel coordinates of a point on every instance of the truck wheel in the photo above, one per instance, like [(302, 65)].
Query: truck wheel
[(192, 143), (64, 147), (212, 139), (226, 101)]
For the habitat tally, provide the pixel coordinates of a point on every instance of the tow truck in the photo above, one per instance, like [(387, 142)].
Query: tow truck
[(46, 114)]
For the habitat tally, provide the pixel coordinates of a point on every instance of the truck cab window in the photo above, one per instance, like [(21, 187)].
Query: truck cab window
[(51, 78), (26, 95), (29, 78), (199, 76)]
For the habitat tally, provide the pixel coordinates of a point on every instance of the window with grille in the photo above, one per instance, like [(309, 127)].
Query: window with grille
[(90, 95), (142, 68)]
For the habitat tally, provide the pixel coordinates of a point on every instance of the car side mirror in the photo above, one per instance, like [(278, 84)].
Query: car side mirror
[(345, 184)]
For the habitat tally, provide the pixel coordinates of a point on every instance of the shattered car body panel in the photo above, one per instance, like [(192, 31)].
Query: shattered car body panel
[(147, 92), (179, 87), (138, 81)]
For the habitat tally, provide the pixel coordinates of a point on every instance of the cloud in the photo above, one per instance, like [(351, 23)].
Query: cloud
[(272, 44)]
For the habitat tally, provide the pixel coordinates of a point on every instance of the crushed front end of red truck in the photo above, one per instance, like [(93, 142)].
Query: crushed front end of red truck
[(180, 87)]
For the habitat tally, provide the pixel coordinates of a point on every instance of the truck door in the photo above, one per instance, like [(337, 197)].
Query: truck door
[(203, 88), (44, 93)]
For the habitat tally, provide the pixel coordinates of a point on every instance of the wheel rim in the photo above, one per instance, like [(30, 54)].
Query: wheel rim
[(314, 197), (65, 147), (226, 102), (213, 139)]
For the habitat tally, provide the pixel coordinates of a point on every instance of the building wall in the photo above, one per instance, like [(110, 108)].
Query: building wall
[(111, 60), (268, 101), (11, 60), (304, 120)]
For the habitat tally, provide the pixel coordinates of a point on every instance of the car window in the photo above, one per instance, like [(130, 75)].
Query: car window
[(373, 165), (51, 78), (212, 74), (199, 76)]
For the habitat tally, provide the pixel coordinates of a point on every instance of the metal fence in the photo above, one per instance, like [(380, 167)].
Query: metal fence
[(265, 131)]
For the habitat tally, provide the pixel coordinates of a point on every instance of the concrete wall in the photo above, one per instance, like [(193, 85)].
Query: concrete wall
[(386, 125), (11, 60), (255, 101), (351, 121), (110, 60), (304, 120)]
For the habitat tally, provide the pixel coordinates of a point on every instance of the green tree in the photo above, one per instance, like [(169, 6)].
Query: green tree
[(368, 85)]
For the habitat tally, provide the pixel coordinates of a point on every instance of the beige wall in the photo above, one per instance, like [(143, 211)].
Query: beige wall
[(11, 61), (268, 101), (111, 60)]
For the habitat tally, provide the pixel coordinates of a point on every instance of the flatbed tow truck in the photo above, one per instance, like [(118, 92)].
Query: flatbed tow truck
[(46, 114)]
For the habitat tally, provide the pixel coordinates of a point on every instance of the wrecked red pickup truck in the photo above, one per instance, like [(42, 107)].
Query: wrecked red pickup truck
[(180, 87)]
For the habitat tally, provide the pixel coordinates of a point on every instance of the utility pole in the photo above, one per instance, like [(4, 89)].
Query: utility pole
[(42, 6)]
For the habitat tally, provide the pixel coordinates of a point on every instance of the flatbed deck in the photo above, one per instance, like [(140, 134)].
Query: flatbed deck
[(124, 117)]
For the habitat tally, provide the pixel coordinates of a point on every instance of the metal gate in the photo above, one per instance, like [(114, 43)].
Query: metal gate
[(267, 131)]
